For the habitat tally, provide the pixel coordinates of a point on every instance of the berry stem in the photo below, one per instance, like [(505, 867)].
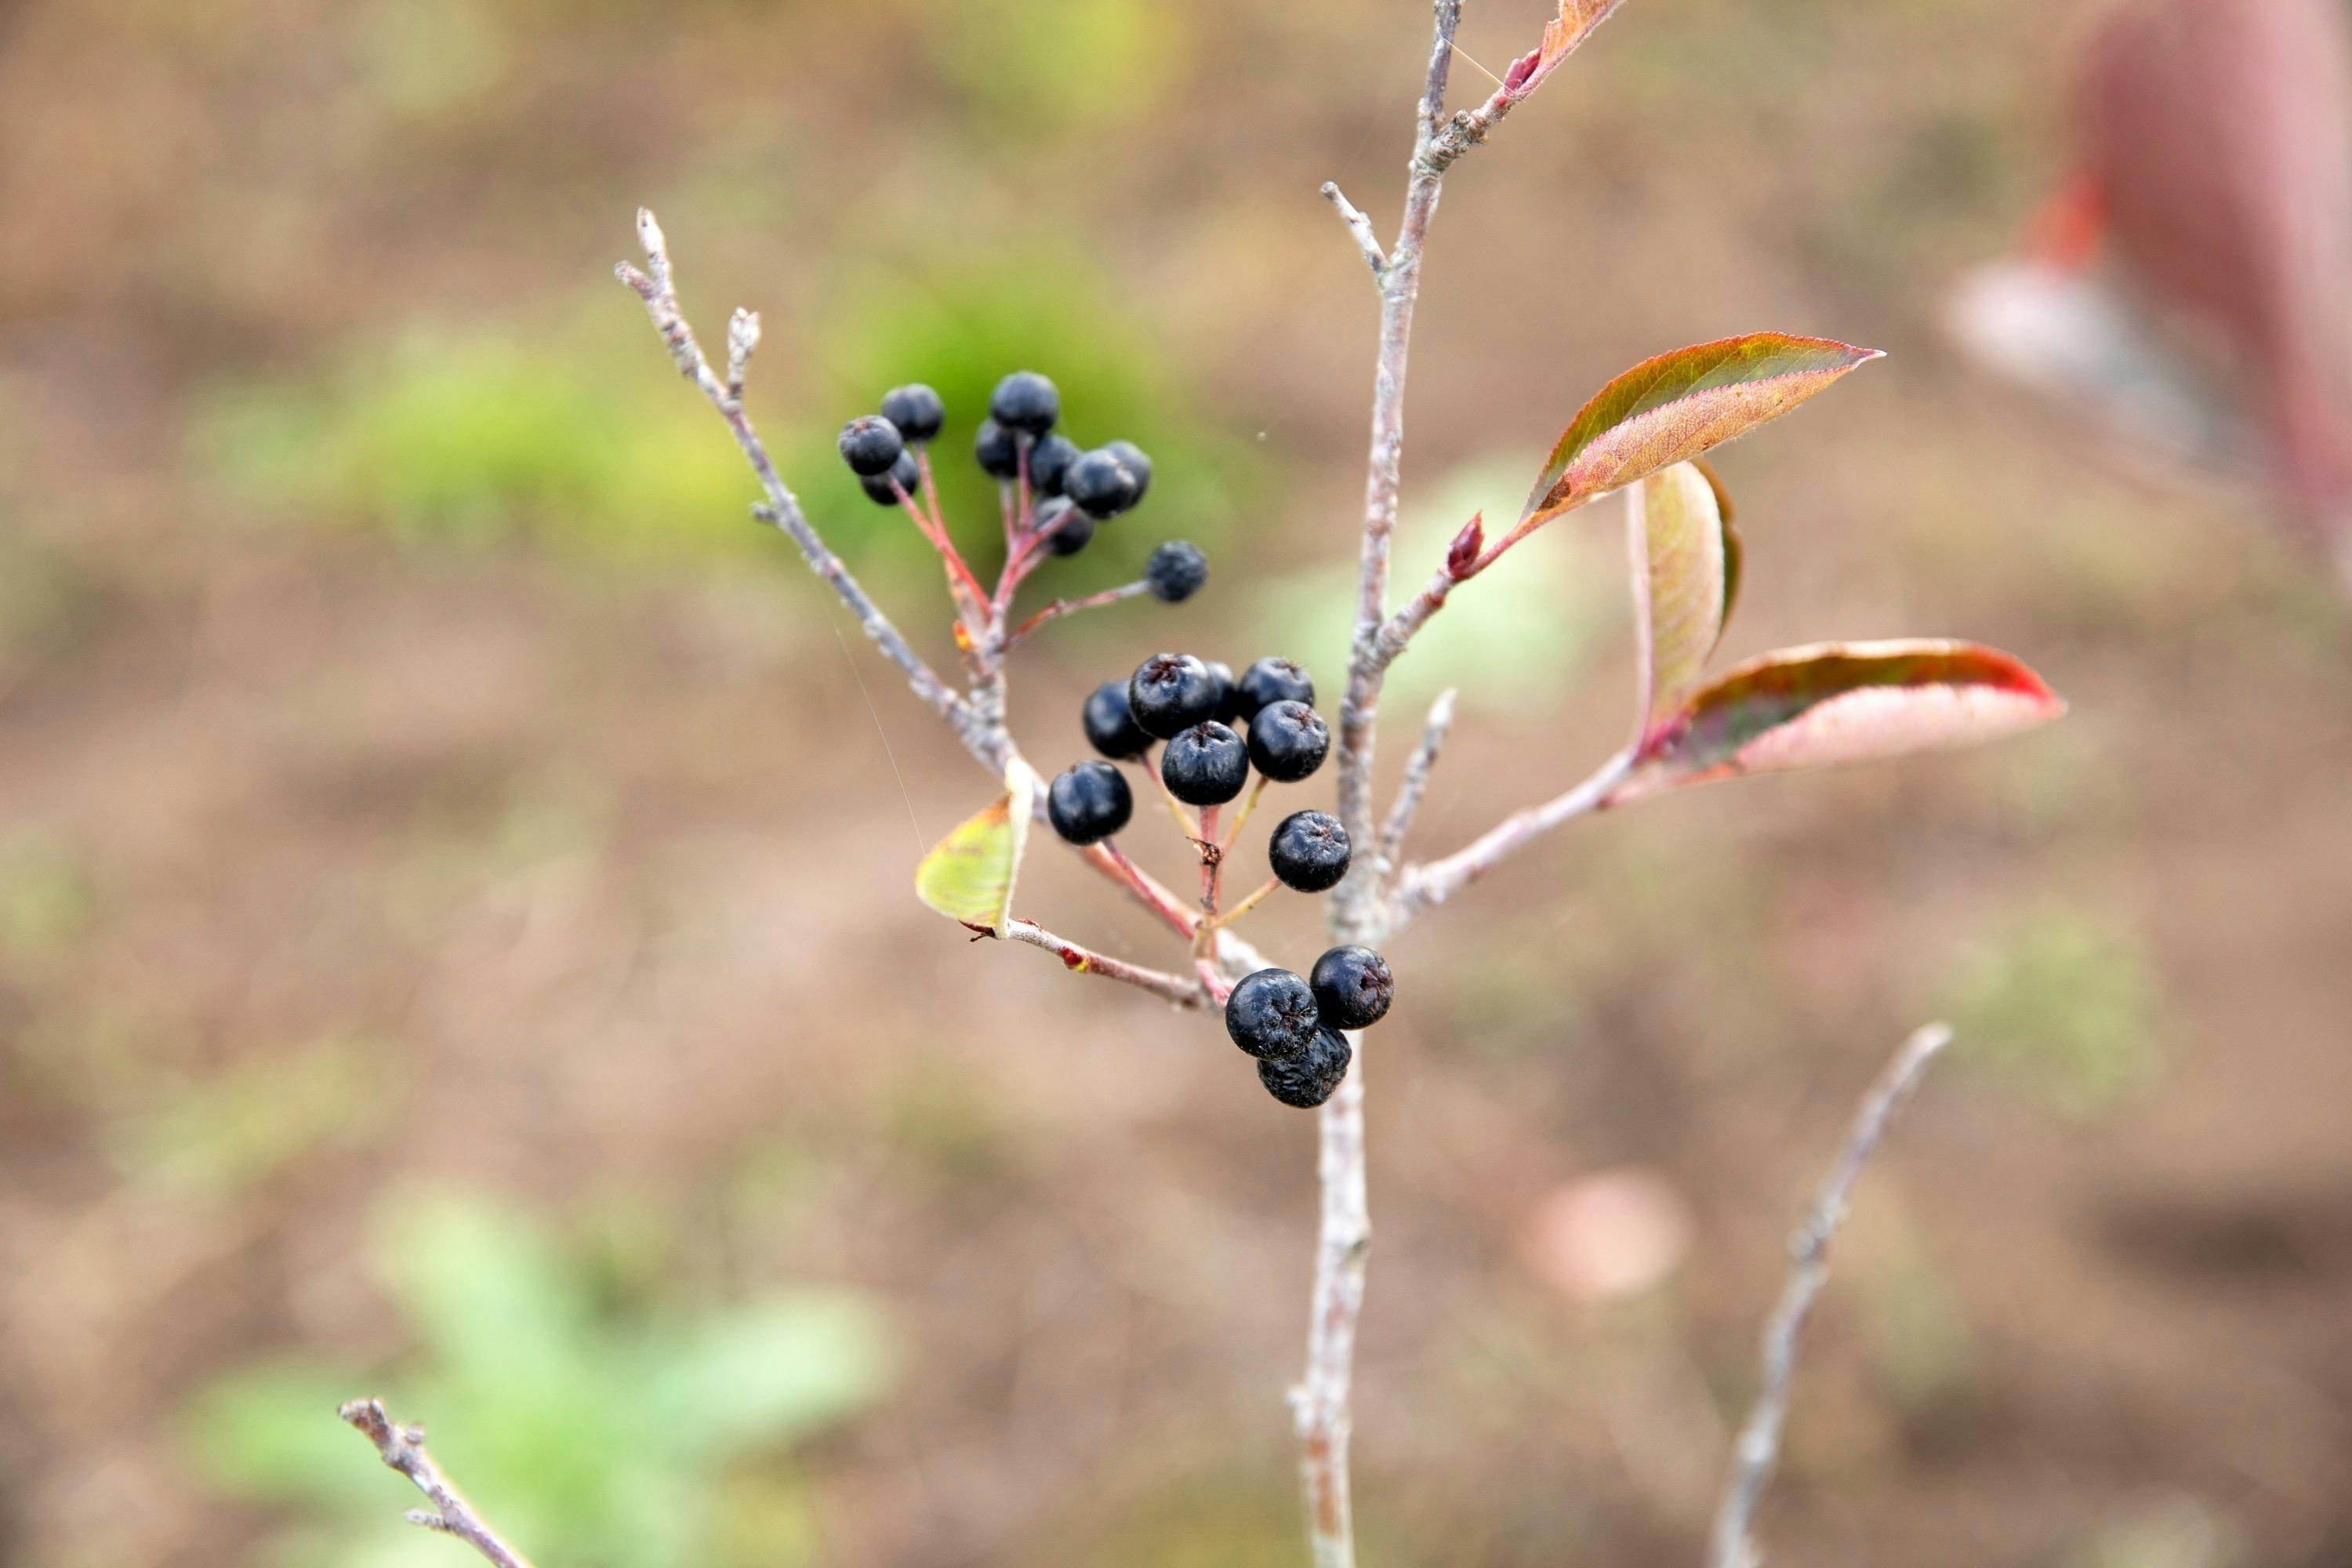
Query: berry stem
[(1220, 990), (1025, 502), (1180, 989), (1248, 804), (931, 487), (1112, 860), (1184, 823), (1072, 607), (1256, 897), (961, 581), (1212, 860)]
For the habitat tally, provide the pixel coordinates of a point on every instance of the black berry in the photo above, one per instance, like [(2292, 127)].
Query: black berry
[(1110, 728), (1352, 987), (903, 473), (1275, 680), (1271, 1013), (1176, 572), (1088, 803), (916, 410), (1309, 849), (1223, 673), (1288, 741), (997, 450), (1066, 529), (1169, 692), (1049, 463), (1204, 766), (1132, 455), (1026, 401), (1099, 482), (1308, 1079), (870, 445)]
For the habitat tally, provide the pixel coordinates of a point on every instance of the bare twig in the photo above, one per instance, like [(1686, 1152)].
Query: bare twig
[(1415, 783), (1176, 988), (1320, 1405), (1759, 1449), (1424, 886), (402, 1448), (1361, 228), (656, 286)]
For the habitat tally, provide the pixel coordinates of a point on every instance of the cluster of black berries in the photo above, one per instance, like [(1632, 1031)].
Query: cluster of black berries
[(1192, 706), (1074, 489), (1293, 1026)]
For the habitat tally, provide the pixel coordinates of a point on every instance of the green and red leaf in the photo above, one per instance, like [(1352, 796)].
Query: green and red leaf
[(970, 874), (1840, 702), (1672, 409)]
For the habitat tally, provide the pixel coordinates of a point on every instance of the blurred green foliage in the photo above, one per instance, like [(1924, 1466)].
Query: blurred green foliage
[(593, 1434), (2062, 1005), (1077, 66), (258, 1116)]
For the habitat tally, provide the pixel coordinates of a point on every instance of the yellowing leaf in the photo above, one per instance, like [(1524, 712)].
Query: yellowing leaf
[(969, 875), (1839, 702), (1681, 584), (1670, 409)]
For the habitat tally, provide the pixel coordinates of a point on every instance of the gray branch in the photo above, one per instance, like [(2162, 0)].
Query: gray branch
[(1361, 228), (1415, 783), (1758, 1447), (402, 1448)]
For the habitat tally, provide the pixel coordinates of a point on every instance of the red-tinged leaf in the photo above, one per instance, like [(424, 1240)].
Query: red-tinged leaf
[(1674, 527), (1840, 702), (1561, 36), (1670, 409)]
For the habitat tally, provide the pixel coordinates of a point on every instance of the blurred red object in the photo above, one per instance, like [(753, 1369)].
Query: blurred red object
[(2190, 283)]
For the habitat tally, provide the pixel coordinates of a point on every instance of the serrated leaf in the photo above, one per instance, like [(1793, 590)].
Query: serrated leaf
[(1840, 702), (969, 875), (1670, 409), (1674, 526)]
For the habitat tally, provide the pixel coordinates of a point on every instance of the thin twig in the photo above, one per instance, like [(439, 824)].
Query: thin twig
[(402, 1448), (1759, 1449), (1176, 988), (1125, 591), (1415, 783), (1361, 228), (1422, 888)]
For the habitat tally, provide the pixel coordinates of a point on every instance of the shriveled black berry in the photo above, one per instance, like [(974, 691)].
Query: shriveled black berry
[(1099, 482), (1352, 987), (1088, 803), (997, 450), (1176, 572), (1049, 463), (1271, 1014), (1066, 529), (1204, 766), (903, 472), (870, 443), (1310, 1078), (916, 410), (1309, 849), (1110, 728), (1026, 401), (1169, 692), (1288, 741), (1275, 680), (1132, 455)]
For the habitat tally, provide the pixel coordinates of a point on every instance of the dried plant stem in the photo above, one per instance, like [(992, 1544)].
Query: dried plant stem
[(1415, 783), (1758, 1447), (402, 1448)]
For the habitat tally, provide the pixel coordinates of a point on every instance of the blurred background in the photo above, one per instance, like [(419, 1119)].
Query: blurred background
[(456, 938)]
